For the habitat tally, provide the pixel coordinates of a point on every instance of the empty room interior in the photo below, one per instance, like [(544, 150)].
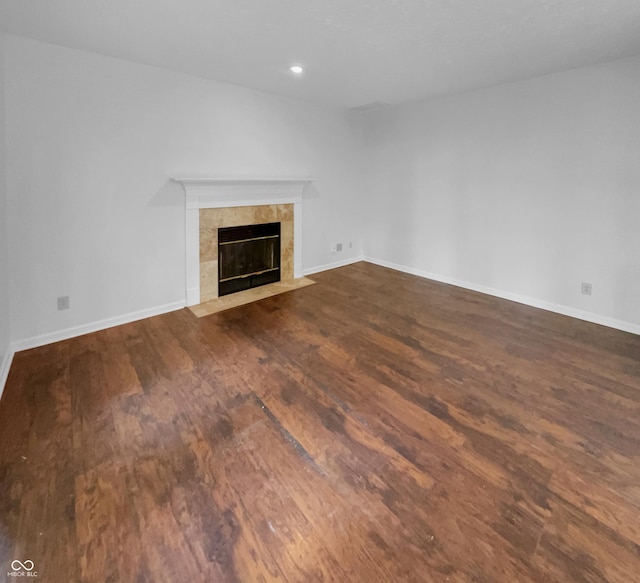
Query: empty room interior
[(321, 290)]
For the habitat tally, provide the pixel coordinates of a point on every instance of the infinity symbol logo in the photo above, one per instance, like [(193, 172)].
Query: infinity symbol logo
[(26, 566)]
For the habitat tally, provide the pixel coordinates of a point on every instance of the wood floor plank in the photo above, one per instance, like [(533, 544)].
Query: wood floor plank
[(374, 427)]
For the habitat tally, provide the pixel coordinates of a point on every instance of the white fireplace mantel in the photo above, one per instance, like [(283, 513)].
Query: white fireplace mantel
[(204, 192), (213, 192)]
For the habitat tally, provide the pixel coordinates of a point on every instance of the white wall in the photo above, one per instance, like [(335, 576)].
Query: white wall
[(4, 267), (92, 143), (525, 190)]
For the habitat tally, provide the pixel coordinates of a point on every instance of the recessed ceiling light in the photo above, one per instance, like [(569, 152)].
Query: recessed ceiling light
[(296, 69)]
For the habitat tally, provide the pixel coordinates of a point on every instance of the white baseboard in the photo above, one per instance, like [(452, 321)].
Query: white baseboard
[(533, 302), (67, 333), (327, 266), (5, 366)]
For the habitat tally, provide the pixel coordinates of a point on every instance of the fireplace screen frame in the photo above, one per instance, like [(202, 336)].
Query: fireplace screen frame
[(249, 256)]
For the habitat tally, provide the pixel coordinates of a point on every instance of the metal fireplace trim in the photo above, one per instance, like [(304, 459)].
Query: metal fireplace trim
[(252, 269)]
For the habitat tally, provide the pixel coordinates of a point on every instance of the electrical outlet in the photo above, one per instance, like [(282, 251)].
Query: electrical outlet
[(63, 303), (338, 247), (350, 244), (585, 288)]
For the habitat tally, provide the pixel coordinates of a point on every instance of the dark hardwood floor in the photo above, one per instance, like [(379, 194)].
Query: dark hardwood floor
[(375, 427)]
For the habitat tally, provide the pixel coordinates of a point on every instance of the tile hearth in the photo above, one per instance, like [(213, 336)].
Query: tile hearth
[(248, 296)]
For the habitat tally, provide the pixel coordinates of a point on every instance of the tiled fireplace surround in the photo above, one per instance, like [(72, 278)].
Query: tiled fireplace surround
[(212, 203), (212, 219)]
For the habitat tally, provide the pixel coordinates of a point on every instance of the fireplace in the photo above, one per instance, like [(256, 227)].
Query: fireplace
[(248, 257), (215, 202)]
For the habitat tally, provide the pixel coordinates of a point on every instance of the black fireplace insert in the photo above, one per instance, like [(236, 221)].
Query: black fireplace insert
[(248, 256)]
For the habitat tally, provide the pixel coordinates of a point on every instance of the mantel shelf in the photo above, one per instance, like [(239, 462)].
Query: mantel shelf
[(213, 181), (212, 192)]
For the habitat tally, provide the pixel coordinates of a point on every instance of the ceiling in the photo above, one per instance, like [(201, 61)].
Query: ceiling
[(355, 52)]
